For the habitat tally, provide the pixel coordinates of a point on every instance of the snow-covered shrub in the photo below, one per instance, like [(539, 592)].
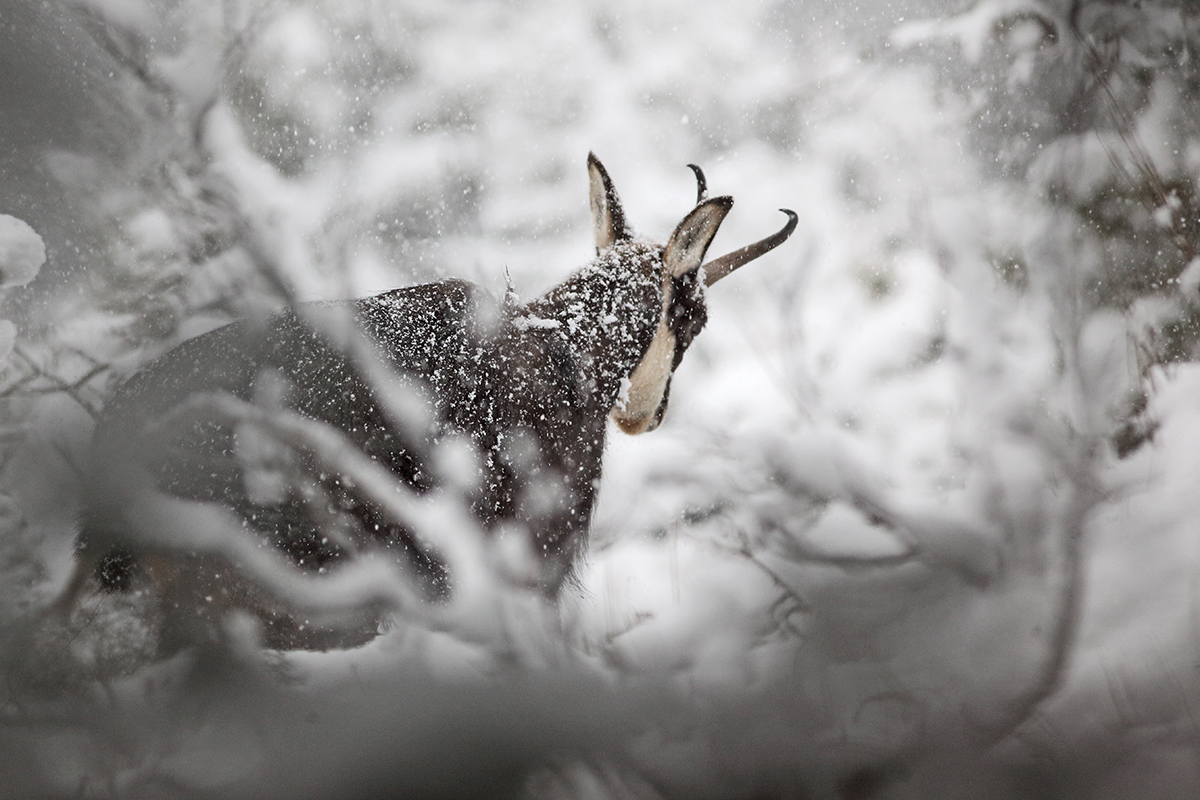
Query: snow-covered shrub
[(918, 522)]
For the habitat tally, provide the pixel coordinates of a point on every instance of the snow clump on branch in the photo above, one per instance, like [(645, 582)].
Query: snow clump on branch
[(22, 253)]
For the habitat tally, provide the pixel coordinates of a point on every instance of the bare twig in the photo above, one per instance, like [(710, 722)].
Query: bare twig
[(1124, 126), (789, 596), (125, 53), (1065, 614), (57, 384)]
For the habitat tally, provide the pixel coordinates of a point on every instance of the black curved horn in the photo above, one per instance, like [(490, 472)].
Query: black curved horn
[(701, 183), (720, 267)]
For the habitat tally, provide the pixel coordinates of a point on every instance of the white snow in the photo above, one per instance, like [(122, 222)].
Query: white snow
[(8, 338), (522, 323), (22, 252), (871, 452)]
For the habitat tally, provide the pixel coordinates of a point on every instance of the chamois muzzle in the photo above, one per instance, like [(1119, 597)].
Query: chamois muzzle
[(720, 267)]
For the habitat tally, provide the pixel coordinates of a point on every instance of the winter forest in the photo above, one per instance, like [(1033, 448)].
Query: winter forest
[(922, 520)]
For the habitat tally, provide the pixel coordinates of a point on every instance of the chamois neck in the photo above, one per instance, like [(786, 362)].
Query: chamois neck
[(607, 313)]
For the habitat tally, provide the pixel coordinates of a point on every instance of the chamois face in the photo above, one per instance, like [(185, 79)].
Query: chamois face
[(676, 268), (644, 402)]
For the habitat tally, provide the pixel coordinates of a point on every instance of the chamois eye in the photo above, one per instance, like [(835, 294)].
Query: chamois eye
[(678, 318)]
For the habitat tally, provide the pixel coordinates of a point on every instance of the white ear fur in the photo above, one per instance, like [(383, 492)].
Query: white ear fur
[(608, 218), (688, 244)]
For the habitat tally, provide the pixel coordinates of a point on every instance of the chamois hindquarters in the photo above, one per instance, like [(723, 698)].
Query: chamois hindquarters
[(419, 332)]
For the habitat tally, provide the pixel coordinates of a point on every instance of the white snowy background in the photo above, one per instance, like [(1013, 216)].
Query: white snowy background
[(922, 520)]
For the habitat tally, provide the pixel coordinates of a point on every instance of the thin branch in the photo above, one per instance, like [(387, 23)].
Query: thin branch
[(788, 593), (104, 33), (1124, 125), (329, 446), (57, 384)]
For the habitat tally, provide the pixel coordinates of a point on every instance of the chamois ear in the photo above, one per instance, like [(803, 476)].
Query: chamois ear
[(688, 244), (608, 218)]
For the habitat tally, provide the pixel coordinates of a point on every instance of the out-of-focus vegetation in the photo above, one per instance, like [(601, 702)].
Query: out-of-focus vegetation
[(920, 522)]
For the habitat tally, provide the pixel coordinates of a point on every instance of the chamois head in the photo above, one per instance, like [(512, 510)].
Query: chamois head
[(679, 266)]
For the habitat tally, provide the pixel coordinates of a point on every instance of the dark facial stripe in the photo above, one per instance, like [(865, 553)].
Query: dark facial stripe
[(686, 313)]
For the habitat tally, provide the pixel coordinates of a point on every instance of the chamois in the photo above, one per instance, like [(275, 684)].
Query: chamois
[(529, 386)]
